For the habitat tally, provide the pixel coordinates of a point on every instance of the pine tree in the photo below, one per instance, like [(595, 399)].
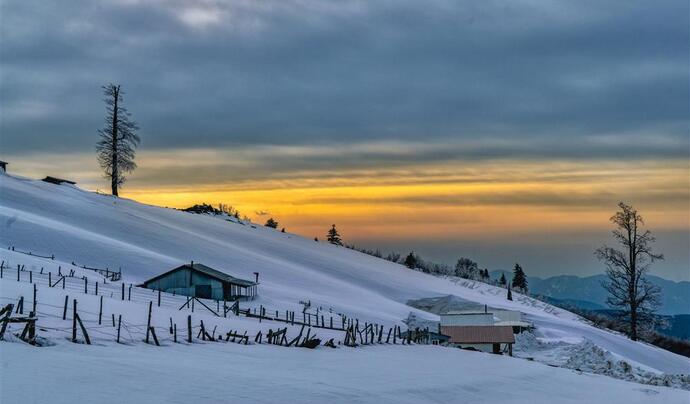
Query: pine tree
[(316, 239), (282, 230), (271, 223), (510, 294), (485, 275), (411, 260), (466, 268), (519, 278), (118, 139), (502, 281), (333, 237)]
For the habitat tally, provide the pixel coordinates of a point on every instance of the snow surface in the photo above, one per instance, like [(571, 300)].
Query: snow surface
[(218, 373), (102, 231)]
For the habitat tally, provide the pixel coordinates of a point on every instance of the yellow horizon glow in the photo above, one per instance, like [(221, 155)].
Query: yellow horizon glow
[(518, 198), (481, 199)]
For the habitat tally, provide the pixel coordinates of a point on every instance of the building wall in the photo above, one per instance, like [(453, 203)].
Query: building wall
[(480, 347), (467, 319), (184, 281), (508, 315)]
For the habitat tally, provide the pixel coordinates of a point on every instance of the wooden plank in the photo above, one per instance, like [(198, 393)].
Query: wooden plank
[(83, 330), (153, 333)]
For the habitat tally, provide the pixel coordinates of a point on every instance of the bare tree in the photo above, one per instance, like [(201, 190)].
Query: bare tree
[(629, 290), (118, 139)]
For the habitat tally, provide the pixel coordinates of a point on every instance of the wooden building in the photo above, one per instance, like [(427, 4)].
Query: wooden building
[(200, 281), (3, 166), (486, 338), (58, 181)]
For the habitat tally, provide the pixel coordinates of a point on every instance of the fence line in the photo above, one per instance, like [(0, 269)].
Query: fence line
[(112, 275), (370, 333)]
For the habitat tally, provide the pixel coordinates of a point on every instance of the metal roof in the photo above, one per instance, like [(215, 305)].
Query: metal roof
[(214, 273), (465, 313), (479, 334)]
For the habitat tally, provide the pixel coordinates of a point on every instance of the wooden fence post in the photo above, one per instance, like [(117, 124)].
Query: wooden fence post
[(74, 320), (83, 330), (31, 276), (119, 322), (64, 312), (123, 291), (175, 333), (34, 310), (159, 298), (189, 329), (8, 313), (148, 322), (50, 280), (20, 305), (96, 288), (63, 283), (129, 295), (86, 285), (100, 309)]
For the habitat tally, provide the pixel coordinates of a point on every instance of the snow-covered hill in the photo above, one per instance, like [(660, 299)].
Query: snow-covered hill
[(98, 230)]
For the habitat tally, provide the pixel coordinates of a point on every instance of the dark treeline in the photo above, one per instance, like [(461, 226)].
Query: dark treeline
[(465, 268)]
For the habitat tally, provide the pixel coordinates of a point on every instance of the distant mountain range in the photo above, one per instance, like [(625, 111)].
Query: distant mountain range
[(587, 293)]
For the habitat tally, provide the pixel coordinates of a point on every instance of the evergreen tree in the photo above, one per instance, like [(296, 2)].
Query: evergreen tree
[(411, 260), (271, 223), (316, 239), (502, 281), (510, 294), (519, 278), (117, 147), (333, 236), (466, 268), (282, 230), (485, 275)]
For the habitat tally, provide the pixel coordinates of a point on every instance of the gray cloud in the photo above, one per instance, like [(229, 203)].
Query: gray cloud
[(552, 78)]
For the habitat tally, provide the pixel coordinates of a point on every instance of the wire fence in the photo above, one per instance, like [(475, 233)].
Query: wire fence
[(127, 332)]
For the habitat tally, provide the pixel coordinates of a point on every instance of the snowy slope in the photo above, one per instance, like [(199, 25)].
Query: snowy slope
[(98, 230)]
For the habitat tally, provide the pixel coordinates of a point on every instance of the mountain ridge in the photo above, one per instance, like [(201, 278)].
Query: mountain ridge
[(675, 298)]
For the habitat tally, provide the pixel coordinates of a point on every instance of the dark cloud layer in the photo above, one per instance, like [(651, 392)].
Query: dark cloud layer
[(553, 79)]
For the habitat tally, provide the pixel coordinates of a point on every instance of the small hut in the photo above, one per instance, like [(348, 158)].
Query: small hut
[(58, 181), (204, 282), (3, 166)]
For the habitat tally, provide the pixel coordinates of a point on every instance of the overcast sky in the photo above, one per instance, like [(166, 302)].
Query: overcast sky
[(353, 103)]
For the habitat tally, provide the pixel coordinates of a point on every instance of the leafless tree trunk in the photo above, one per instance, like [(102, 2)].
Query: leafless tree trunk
[(116, 148), (629, 290)]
